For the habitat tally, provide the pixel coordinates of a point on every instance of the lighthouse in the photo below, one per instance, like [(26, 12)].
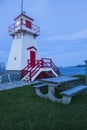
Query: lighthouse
[(24, 46), (24, 57)]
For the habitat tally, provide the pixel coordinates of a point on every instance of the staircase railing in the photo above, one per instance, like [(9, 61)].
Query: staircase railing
[(50, 64), (42, 63), (35, 69), (56, 69), (25, 70)]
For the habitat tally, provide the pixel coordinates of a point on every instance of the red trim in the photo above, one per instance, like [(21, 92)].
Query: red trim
[(32, 47), (24, 16)]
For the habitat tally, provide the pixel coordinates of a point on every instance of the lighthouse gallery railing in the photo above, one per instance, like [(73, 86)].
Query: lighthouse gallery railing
[(15, 27)]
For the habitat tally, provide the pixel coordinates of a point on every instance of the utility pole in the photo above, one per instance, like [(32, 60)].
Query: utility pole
[(86, 70)]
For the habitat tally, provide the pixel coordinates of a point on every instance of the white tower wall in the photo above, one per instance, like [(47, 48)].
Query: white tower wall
[(19, 54)]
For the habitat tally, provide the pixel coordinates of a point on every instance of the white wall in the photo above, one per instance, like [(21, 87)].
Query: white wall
[(19, 54)]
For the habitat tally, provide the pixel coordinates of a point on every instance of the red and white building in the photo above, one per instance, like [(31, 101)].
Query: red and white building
[(24, 56)]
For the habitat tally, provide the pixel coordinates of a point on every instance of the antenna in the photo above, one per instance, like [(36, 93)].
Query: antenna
[(21, 6)]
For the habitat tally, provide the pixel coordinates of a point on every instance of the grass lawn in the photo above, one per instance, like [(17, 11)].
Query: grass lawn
[(21, 109)]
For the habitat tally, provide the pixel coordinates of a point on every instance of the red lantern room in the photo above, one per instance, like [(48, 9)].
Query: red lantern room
[(24, 23)]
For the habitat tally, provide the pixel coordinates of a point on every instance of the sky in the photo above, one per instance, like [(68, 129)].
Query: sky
[(63, 28)]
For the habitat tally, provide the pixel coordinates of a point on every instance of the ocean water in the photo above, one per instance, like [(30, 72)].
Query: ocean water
[(72, 70), (65, 70)]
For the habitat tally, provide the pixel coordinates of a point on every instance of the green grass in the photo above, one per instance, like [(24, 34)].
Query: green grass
[(21, 109)]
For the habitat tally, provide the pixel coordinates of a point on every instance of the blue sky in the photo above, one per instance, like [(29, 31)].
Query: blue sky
[(63, 24)]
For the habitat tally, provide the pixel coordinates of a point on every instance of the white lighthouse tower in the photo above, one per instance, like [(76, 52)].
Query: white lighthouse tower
[(24, 43), (24, 57)]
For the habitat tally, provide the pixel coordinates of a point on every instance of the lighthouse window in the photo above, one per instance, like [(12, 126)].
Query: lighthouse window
[(17, 23), (15, 58), (28, 24)]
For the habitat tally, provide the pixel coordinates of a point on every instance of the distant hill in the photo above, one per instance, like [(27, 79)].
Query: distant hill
[(80, 66)]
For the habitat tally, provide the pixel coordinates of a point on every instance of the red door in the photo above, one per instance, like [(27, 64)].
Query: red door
[(32, 58)]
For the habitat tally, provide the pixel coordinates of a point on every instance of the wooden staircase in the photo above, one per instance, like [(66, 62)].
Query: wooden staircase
[(29, 73)]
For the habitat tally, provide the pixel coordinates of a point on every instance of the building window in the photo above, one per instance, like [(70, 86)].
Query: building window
[(15, 58)]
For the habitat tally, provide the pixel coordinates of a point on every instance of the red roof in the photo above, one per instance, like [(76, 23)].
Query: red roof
[(24, 16)]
